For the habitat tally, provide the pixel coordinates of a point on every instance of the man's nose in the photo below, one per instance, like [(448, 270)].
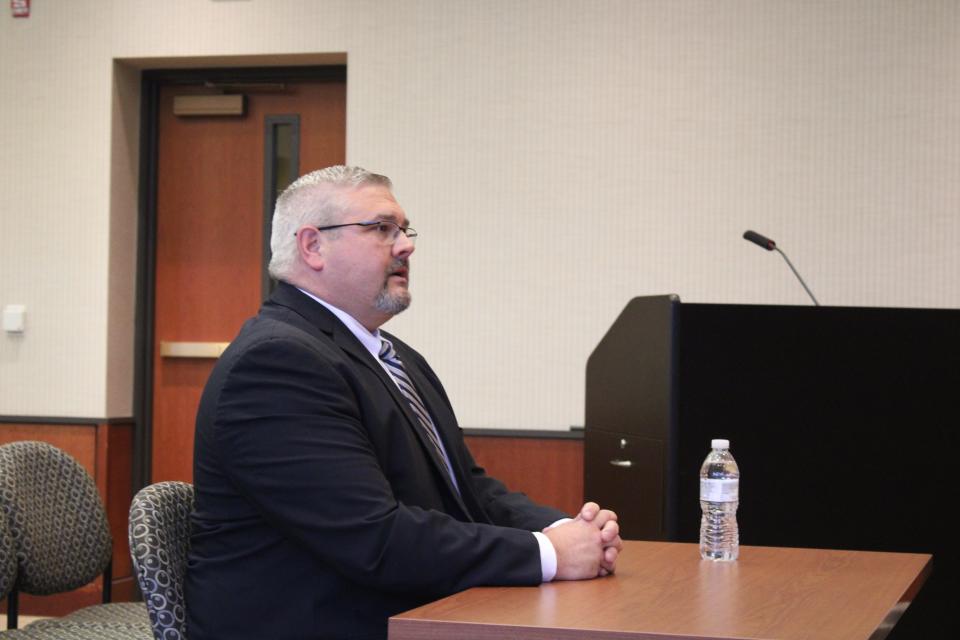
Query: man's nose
[(403, 247)]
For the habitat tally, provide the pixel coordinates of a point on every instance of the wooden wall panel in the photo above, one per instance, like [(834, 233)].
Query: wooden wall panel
[(79, 440), (118, 489), (548, 470)]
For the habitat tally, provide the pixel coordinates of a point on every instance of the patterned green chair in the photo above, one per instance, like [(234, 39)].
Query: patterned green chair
[(61, 539), (159, 529)]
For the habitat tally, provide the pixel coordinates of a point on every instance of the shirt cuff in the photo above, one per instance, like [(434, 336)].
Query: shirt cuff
[(548, 556)]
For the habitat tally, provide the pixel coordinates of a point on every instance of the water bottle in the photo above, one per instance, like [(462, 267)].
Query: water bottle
[(719, 497)]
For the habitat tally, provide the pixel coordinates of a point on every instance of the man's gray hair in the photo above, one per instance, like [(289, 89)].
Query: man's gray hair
[(315, 199)]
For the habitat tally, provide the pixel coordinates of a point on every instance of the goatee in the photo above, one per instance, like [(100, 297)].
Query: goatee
[(393, 302)]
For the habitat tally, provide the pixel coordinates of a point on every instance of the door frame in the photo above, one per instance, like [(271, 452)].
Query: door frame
[(150, 83)]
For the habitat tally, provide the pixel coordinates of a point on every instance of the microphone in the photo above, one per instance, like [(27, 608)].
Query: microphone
[(760, 240), (770, 245)]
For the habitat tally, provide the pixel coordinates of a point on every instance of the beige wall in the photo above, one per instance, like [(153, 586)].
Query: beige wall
[(558, 158)]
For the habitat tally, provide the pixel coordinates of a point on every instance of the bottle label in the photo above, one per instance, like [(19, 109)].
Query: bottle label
[(717, 490)]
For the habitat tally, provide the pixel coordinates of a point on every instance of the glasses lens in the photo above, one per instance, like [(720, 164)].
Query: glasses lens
[(389, 231), (396, 230)]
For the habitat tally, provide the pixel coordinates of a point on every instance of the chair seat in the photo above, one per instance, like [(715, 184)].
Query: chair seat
[(132, 614), (128, 612), (80, 631)]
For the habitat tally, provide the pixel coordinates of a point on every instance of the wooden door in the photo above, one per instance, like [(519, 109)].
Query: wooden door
[(210, 235)]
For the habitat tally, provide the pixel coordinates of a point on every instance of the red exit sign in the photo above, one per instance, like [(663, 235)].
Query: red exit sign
[(20, 8)]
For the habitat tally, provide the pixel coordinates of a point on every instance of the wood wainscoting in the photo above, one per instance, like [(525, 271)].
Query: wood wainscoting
[(546, 466), (105, 449)]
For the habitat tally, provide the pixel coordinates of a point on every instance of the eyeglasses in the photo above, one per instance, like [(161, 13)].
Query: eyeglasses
[(387, 230)]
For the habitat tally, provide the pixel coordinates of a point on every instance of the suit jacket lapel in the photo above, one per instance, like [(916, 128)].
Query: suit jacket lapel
[(438, 411), (321, 318), (347, 341)]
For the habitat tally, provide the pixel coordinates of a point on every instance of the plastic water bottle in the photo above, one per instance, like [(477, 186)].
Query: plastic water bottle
[(719, 498)]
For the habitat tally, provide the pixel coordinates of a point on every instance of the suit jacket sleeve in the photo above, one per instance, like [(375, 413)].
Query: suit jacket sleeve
[(290, 438)]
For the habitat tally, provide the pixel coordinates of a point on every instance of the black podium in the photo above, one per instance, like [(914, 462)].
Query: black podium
[(844, 422)]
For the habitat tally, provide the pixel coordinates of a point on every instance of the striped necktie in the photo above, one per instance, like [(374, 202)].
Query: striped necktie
[(396, 369)]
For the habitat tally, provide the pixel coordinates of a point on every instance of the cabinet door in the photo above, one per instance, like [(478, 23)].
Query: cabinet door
[(625, 473)]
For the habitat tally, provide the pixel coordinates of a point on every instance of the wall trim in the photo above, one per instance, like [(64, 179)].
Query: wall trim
[(575, 433), (62, 420)]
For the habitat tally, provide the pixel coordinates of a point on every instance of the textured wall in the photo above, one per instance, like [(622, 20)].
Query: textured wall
[(557, 157)]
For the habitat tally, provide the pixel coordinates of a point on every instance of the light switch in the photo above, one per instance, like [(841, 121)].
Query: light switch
[(13, 318)]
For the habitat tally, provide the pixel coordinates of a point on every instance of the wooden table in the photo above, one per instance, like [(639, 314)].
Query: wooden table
[(664, 590)]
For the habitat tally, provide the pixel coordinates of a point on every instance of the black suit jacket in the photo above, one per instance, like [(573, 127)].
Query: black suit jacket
[(319, 508)]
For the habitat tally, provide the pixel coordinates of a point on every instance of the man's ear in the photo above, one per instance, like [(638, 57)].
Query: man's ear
[(310, 247)]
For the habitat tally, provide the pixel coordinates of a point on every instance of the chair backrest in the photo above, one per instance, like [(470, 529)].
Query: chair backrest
[(55, 517), (159, 543), (8, 560)]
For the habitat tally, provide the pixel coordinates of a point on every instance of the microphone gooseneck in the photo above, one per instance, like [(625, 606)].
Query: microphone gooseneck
[(770, 245)]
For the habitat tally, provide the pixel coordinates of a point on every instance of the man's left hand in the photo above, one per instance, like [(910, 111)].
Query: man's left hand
[(606, 521)]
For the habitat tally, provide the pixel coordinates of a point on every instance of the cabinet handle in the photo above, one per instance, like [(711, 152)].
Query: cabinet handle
[(626, 464)]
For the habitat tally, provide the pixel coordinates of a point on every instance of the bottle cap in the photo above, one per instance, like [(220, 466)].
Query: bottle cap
[(720, 443)]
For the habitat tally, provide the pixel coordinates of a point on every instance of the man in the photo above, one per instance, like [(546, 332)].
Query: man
[(333, 486)]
